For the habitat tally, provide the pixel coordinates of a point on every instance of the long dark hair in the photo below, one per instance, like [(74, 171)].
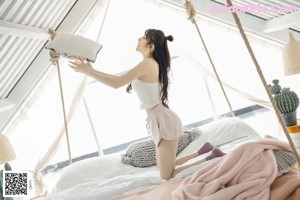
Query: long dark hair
[(162, 56)]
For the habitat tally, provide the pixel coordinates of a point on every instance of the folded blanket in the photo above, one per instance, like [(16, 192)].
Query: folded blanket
[(245, 173), (286, 187)]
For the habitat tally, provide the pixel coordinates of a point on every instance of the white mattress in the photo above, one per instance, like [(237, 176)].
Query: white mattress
[(105, 177)]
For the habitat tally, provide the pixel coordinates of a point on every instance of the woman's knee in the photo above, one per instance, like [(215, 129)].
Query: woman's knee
[(166, 176), (166, 158), (166, 168)]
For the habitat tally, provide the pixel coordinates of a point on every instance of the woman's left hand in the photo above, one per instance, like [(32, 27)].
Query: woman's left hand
[(81, 66)]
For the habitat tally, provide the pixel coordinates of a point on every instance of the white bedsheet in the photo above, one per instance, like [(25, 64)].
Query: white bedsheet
[(102, 178), (105, 177), (102, 188)]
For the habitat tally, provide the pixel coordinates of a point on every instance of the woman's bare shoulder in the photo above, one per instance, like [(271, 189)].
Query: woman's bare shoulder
[(150, 62), (147, 63)]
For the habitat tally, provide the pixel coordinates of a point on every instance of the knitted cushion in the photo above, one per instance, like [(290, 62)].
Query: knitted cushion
[(74, 47), (285, 161), (143, 154)]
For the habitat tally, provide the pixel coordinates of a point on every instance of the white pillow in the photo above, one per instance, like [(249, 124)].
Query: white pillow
[(74, 46), (220, 131), (79, 172)]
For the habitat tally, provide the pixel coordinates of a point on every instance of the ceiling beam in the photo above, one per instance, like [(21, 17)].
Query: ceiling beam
[(20, 30), (6, 104), (252, 25), (36, 72), (283, 22)]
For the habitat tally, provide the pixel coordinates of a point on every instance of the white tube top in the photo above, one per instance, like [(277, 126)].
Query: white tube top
[(148, 93)]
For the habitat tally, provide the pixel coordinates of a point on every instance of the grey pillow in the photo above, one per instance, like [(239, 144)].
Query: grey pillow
[(143, 154)]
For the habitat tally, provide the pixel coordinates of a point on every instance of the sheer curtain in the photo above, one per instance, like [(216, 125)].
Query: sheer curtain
[(37, 131)]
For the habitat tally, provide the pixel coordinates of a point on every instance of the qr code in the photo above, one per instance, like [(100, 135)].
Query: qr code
[(15, 183)]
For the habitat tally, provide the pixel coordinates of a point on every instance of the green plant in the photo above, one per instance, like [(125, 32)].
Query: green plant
[(275, 88), (7, 167), (286, 100)]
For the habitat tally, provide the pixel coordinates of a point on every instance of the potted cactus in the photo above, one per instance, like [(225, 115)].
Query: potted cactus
[(287, 102)]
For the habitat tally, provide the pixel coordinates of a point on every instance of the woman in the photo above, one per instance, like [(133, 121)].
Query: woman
[(149, 78)]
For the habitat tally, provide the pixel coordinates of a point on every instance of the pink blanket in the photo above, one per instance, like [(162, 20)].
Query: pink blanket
[(245, 173)]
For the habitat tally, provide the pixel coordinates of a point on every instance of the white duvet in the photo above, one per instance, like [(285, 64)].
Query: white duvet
[(102, 178), (101, 188), (105, 177)]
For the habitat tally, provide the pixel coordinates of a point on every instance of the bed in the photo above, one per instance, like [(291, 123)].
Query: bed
[(107, 177)]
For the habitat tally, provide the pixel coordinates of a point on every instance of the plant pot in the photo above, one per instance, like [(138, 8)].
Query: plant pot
[(294, 132), (290, 119)]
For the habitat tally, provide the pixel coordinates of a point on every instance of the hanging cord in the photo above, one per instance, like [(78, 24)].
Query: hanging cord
[(191, 14), (54, 58), (237, 21)]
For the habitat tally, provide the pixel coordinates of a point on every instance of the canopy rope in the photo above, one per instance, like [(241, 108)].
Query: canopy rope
[(191, 14), (54, 58), (238, 23)]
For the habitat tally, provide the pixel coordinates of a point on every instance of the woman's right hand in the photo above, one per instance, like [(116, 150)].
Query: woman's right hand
[(81, 66)]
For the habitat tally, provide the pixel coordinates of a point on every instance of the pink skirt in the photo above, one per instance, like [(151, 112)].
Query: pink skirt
[(163, 123)]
